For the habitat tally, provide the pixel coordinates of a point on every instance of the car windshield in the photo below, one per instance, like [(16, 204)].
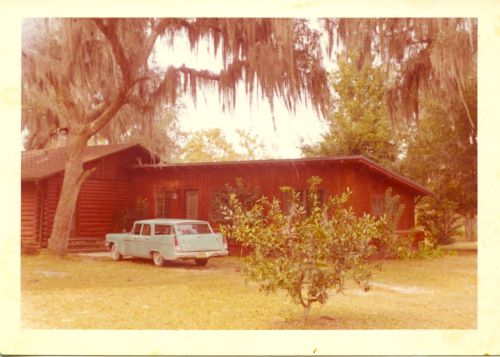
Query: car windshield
[(193, 228)]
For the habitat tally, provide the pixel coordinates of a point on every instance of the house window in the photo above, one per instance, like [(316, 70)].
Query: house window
[(164, 203), (378, 205)]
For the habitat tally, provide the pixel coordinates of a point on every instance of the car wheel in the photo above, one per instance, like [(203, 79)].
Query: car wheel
[(115, 253), (201, 262), (158, 259)]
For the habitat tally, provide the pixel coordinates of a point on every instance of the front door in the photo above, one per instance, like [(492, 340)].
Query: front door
[(192, 204)]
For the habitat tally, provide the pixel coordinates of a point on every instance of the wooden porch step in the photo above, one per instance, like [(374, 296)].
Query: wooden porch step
[(86, 244), (86, 250)]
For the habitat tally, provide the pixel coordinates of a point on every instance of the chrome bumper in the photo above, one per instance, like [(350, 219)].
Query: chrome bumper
[(201, 255)]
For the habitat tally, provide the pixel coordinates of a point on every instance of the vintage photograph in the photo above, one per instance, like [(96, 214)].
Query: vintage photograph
[(222, 173)]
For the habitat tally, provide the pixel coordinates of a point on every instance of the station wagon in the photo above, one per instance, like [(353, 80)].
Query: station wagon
[(164, 239)]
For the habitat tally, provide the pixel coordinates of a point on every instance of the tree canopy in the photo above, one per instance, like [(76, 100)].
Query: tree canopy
[(94, 69), (423, 57), (359, 123)]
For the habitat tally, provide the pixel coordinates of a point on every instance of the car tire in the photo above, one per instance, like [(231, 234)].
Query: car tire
[(115, 253), (158, 259), (201, 262)]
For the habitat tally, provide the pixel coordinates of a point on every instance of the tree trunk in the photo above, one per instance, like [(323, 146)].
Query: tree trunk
[(307, 309), (73, 178), (470, 227)]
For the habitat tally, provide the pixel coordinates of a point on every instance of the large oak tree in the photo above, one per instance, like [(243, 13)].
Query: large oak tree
[(83, 74)]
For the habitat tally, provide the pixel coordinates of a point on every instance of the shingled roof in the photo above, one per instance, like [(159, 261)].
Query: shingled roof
[(40, 164)]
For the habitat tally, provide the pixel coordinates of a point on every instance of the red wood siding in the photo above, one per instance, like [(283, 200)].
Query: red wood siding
[(336, 178), (29, 214), (377, 186), (98, 204), (117, 166)]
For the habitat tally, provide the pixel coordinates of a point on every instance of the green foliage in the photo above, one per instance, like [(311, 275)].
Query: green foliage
[(246, 195), (305, 254), (125, 217), (442, 155), (253, 148), (428, 249), (359, 123), (212, 145), (390, 244), (439, 219), (207, 146)]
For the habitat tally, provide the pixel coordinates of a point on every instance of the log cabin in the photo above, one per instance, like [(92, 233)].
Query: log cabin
[(128, 173)]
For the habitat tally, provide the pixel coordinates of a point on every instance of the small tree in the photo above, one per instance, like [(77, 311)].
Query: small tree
[(439, 219), (391, 244), (306, 255), (246, 195)]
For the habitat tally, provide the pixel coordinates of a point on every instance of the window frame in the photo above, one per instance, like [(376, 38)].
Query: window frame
[(134, 229)]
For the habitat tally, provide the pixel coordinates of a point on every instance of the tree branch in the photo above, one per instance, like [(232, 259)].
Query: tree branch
[(118, 52), (108, 113), (202, 74), (150, 42), (85, 175)]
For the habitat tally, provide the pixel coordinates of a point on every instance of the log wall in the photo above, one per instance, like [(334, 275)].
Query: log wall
[(29, 214)]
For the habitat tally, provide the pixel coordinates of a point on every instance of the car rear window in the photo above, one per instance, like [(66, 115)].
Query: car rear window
[(163, 229), (193, 228)]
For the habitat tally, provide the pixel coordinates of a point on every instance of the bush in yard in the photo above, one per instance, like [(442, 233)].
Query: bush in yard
[(306, 252), (246, 195), (439, 219), (390, 244), (125, 217)]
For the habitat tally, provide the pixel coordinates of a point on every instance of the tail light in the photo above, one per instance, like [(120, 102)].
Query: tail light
[(176, 243)]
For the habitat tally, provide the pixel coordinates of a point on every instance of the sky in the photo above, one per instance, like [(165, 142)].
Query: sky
[(282, 138)]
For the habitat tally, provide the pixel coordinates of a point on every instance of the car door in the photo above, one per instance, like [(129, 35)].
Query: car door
[(130, 242), (143, 241)]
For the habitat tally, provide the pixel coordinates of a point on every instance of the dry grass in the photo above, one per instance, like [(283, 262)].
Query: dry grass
[(97, 293)]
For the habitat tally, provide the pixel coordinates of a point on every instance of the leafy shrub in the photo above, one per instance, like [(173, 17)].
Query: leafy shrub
[(427, 249), (439, 219), (307, 253), (390, 244), (125, 217)]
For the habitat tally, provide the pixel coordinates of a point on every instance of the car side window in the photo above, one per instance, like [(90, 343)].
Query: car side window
[(137, 229), (146, 230), (163, 229)]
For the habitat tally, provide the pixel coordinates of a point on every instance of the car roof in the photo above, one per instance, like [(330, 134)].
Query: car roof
[(169, 221)]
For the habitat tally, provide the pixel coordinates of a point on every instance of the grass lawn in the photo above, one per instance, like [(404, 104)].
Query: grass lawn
[(81, 292)]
